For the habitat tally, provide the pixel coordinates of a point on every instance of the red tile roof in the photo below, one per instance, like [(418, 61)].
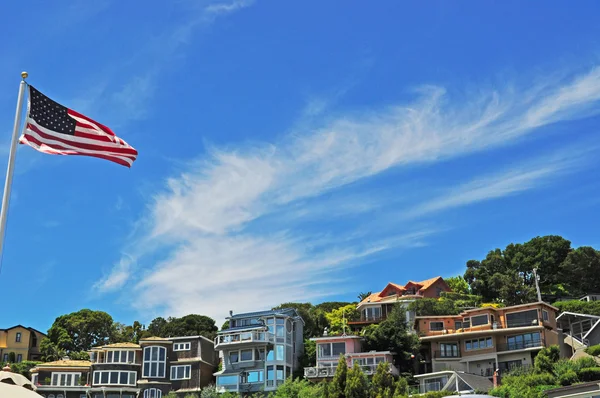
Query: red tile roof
[(422, 287)]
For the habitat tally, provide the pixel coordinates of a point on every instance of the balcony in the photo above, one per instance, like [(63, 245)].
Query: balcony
[(315, 372), (368, 319), (482, 328), (232, 340), (446, 355), (521, 345)]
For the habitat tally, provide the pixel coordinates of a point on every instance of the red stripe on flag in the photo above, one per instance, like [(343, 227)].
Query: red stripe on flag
[(103, 127), (58, 150), (124, 151)]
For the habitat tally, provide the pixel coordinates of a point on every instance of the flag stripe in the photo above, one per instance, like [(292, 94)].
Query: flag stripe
[(80, 142), (55, 129), (43, 147), (70, 149)]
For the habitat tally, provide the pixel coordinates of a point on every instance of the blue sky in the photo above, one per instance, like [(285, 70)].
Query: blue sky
[(293, 151)]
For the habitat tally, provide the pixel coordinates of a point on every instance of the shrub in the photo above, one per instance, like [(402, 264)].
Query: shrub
[(568, 378), (585, 362), (589, 374), (593, 350)]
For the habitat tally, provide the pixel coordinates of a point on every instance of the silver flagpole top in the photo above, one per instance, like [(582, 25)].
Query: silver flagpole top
[(24, 75)]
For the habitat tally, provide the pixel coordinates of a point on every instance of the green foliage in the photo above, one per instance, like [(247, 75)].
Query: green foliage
[(357, 385), (171, 395), (567, 378), (12, 357), (578, 266), (545, 359), (432, 307), (589, 374), (338, 384), (127, 333), (593, 350), (308, 358), (225, 325), (363, 295), (189, 325), (507, 275), (392, 335), (401, 388), (23, 368), (191, 396), (339, 317), (458, 284), (382, 382), (77, 331), (314, 316), (580, 307), (529, 385), (209, 392)]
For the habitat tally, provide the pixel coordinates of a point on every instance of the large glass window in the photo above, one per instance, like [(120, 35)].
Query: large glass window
[(479, 320), (522, 341), (121, 356), (254, 376), (324, 350), (65, 379), (18, 338), (279, 353), (182, 346), (114, 377), (331, 349), (181, 372), (371, 313), (449, 350), (246, 355), (523, 318), (155, 361), (227, 380), (338, 348), (476, 344)]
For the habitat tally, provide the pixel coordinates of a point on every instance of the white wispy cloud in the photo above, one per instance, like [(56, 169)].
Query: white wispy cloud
[(209, 218)]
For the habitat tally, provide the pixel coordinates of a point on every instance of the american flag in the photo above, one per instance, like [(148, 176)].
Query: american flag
[(53, 128)]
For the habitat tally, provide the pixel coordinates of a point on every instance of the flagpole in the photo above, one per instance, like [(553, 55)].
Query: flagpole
[(11, 162)]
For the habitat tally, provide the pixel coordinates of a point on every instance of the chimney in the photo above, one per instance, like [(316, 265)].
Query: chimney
[(497, 379), (230, 313)]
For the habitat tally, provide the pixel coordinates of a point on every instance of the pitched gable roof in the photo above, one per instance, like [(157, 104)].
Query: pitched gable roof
[(421, 286)]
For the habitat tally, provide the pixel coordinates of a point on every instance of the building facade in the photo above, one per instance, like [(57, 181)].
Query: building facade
[(376, 307), (259, 350), (329, 349), (150, 369), (23, 341), (481, 340)]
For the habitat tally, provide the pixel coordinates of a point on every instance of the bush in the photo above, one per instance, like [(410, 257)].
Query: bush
[(580, 307), (589, 374), (585, 362), (593, 350), (568, 378)]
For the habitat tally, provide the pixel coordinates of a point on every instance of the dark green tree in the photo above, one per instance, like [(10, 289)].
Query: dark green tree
[(545, 359), (127, 333), (433, 307), (338, 384), (156, 327), (383, 382), (577, 268), (392, 335), (357, 385), (81, 330), (188, 325)]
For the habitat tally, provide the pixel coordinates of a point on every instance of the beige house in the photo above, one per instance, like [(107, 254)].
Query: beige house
[(23, 341)]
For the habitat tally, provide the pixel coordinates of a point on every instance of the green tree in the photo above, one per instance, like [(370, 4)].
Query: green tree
[(357, 385), (458, 284), (12, 357), (81, 330), (127, 333), (546, 358), (577, 268), (338, 384), (392, 335), (157, 327), (401, 388), (363, 295), (383, 382), (79, 355), (188, 325), (580, 307), (24, 368), (338, 319), (433, 307)]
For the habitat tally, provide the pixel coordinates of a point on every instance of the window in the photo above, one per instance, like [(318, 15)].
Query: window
[(34, 379), (182, 346), (279, 373), (18, 337), (246, 355), (279, 353), (371, 313), (122, 356), (155, 361), (466, 323), (457, 325), (114, 377), (5, 358), (19, 358), (227, 380), (477, 344), (479, 320), (180, 372), (436, 325), (522, 341), (523, 318), (254, 376), (449, 350), (545, 315), (234, 356), (65, 379), (33, 340), (152, 393)]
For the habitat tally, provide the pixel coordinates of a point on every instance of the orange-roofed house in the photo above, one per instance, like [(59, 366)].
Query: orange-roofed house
[(377, 306)]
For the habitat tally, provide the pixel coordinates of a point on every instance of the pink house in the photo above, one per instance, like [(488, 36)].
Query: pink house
[(329, 349)]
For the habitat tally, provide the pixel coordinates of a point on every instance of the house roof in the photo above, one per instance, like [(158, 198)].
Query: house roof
[(117, 345), (156, 339), (476, 382), (422, 286), (65, 363), (24, 327), (283, 311)]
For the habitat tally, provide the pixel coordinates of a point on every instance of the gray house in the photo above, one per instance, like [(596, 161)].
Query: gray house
[(583, 330), (259, 350)]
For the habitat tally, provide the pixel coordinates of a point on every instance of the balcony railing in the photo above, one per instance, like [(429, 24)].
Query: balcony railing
[(445, 355), (273, 383), (329, 371), (484, 327), (369, 319), (243, 338), (521, 345)]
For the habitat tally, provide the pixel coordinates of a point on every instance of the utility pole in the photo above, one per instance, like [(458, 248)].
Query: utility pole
[(537, 285)]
